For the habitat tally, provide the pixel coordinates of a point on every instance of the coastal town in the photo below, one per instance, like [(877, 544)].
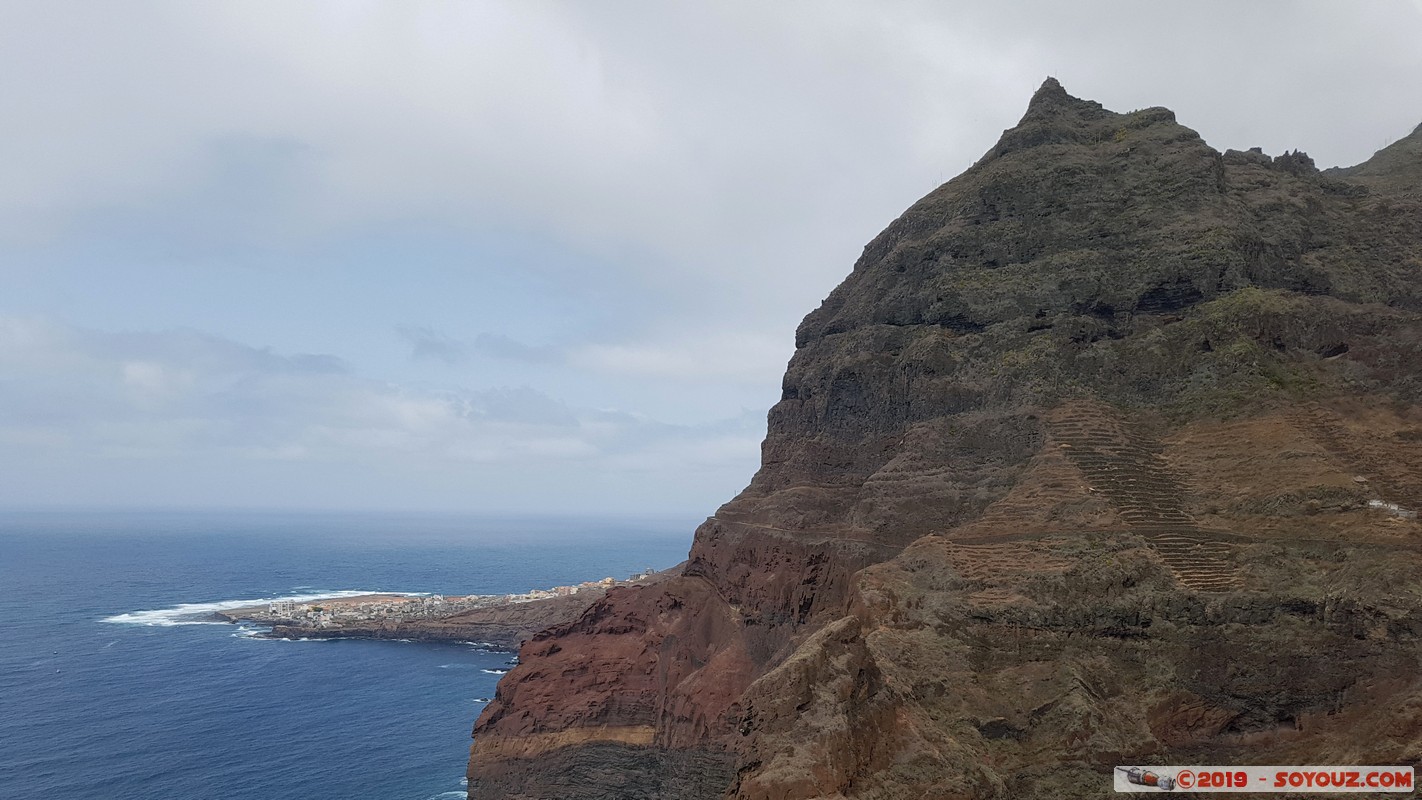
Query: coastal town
[(367, 609)]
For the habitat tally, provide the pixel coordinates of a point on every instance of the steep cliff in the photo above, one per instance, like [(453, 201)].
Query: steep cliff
[(1107, 450)]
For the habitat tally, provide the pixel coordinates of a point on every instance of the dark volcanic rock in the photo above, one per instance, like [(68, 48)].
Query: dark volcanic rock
[(1106, 450)]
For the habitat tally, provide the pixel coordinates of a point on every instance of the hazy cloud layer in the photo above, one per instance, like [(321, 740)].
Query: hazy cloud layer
[(156, 402), (695, 355)]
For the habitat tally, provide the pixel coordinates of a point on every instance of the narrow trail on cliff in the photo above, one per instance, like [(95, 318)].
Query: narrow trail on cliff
[(810, 536)]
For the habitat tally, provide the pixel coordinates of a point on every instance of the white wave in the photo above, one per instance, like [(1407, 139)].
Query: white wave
[(450, 795), (489, 646), (201, 613), (495, 671)]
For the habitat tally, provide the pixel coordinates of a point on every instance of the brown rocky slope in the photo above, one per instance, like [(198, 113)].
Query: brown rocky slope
[(1106, 451)]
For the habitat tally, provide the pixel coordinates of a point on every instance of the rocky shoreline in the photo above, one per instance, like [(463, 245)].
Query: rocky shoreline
[(498, 623)]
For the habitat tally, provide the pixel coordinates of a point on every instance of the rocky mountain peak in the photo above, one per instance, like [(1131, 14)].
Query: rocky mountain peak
[(1050, 92), (1052, 117), (1052, 98)]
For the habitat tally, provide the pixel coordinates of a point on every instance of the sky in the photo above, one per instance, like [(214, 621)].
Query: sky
[(527, 257)]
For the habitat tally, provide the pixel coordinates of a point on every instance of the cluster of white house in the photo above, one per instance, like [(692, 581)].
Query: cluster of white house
[(406, 608), (423, 606), (605, 583)]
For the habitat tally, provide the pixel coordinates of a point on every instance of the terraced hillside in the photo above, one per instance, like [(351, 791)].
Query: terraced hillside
[(1123, 463)]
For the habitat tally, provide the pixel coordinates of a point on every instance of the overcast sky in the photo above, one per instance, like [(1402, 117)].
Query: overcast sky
[(521, 256)]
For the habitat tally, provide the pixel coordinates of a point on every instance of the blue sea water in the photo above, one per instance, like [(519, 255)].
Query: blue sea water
[(110, 689)]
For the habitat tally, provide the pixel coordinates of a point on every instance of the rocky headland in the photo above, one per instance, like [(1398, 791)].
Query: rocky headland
[(499, 625), (1106, 452), (498, 621)]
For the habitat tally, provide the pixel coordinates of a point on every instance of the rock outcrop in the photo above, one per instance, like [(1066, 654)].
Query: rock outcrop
[(1106, 451)]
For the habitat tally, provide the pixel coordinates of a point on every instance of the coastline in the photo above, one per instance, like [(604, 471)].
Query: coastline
[(502, 622)]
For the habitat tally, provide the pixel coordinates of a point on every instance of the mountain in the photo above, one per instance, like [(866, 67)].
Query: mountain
[(1107, 451)]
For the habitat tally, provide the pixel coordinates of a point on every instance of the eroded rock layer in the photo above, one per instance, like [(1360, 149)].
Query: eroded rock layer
[(1109, 450)]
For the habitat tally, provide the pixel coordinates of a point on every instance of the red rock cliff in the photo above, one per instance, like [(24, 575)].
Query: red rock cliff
[(1107, 450)]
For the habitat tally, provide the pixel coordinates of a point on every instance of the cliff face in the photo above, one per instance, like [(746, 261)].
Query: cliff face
[(1106, 451)]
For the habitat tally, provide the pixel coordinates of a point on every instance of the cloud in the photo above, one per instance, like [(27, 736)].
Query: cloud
[(696, 355), (426, 342), (180, 397), (494, 345)]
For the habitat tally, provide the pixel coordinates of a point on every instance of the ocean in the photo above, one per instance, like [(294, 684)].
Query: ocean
[(113, 686)]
